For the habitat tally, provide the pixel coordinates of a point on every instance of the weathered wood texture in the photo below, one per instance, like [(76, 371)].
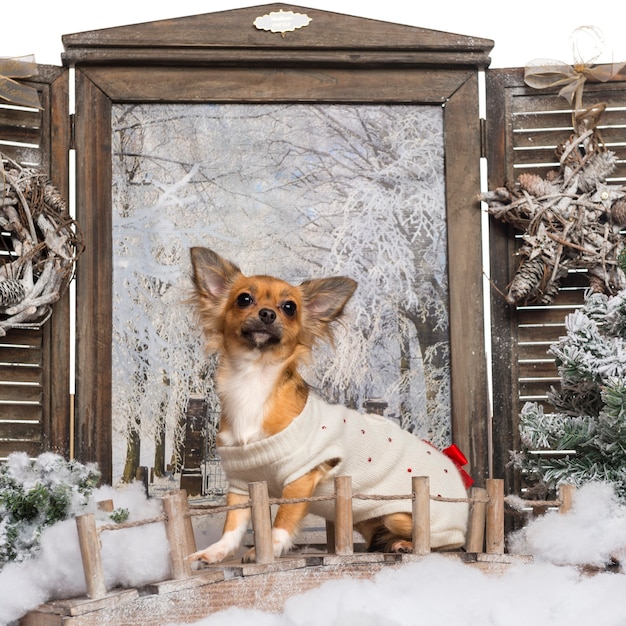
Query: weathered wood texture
[(230, 38), (222, 58), (263, 587), (35, 364), (524, 126)]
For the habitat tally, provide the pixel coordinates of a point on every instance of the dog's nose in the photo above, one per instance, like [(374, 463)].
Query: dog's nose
[(267, 316)]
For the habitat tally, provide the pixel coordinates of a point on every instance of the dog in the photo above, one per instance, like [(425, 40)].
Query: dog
[(275, 428)]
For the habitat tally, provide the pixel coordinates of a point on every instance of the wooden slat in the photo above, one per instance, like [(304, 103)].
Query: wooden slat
[(21, 430), (12, 411), (32, 448), (18, 337), (20, 355), (13, 373), (28, 157), (20, 393)]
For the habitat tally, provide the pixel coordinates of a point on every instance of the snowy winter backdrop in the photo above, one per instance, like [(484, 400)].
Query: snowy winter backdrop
[(297, 191)]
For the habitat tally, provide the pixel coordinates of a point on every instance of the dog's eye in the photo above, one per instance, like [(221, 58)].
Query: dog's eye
[(244, 300), (289, 308)]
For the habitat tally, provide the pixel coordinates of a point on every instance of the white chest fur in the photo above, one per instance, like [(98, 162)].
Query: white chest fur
[(244, 388)]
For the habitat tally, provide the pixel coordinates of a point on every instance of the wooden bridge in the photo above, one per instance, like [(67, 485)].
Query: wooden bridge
[(190, 595)]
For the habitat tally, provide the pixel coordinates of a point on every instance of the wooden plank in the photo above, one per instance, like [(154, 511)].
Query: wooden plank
[(32, 448), (20, 430), (468, 377), (505, 433), (548, 315), (614, 136), (532, 390), (17, 372), (56, 134), (199, 84), (20, 393), (20, 355), (541, 332), (29, 412), (538, 369), (93, 307), (19, 135), (494, 536), (19, 337), (18, 117), (26, 156)]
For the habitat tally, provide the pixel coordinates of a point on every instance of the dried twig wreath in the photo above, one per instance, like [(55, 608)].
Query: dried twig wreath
[(39, 245), (571, 219)]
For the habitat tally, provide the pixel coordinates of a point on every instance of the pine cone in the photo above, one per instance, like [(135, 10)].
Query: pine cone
[(527, 280), (596, 170), (618, 212), (12, 292), (535, 185)]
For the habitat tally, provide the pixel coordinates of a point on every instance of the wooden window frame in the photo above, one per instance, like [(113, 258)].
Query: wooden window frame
[(109, 71)]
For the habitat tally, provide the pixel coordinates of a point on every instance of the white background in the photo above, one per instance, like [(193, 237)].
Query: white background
[(521, 30)]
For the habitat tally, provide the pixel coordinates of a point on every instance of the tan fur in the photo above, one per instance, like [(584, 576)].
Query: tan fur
[(258, 382)]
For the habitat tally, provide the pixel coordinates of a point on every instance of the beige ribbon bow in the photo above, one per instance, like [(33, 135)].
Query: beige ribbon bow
[(13, 92), (546, 73)]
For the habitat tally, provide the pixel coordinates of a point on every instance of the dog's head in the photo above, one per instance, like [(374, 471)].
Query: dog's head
[(240, 314)]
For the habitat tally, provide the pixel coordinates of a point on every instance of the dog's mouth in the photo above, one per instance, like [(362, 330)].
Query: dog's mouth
[(260, 335)]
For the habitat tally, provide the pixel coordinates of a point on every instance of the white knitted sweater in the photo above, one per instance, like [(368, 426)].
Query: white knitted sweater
[(380, 457)]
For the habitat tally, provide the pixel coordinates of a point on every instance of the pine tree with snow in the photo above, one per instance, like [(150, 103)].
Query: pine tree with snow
[(36, 493), (590, 407)]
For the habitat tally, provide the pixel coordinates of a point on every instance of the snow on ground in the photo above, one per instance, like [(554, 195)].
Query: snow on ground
[(436, 590)]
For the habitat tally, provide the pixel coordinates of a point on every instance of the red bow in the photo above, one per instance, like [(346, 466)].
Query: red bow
[(453, 452)]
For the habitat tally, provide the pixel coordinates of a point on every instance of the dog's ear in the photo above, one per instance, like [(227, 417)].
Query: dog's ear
[(212, 274), (325, 298)]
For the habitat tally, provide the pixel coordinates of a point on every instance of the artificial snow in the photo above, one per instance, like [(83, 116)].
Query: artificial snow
[(553, 590), (131, 557)]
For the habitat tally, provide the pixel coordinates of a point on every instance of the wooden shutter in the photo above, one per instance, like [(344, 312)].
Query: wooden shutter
[(524, 126), (34, 362)]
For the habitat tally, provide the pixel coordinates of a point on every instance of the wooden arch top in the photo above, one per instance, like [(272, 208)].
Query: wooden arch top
[(228, 37)]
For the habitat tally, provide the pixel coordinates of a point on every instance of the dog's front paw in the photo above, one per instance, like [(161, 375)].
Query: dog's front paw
[(213, 554), (249, 556), (281, 543), (402, 547)]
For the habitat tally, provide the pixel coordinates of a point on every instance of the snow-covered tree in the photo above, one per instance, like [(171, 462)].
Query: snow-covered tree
[(36, 493), (588, 426)]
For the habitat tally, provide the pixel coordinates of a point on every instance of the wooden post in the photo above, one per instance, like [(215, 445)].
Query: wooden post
[(330, 536), (89, 542), (566, 496), (105, 505), (421, 514), (343, 516), (476, 524), (495, 516), (174, 507), (190, 538), (261, 522)]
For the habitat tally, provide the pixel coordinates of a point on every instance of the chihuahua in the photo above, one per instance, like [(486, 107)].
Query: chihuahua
[(275, 428)]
